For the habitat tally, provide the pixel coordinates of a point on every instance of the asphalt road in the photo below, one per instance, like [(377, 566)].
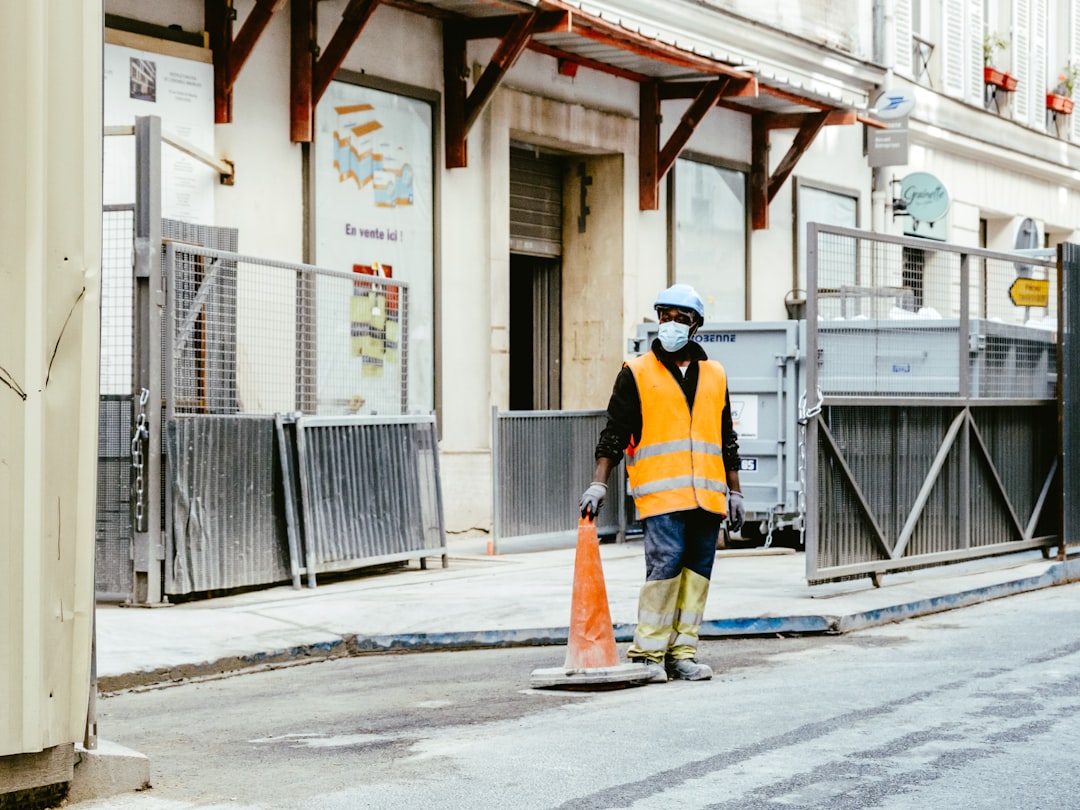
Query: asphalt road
[(975, 708)]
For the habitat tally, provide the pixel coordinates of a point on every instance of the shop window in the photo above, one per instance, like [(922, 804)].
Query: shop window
[(709, 235), (826, 207)]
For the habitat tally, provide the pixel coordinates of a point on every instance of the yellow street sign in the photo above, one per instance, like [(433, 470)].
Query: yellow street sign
[(1030, 292)]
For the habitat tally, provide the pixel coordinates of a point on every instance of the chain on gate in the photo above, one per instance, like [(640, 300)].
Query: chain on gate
[(805, 415), (142, 434)]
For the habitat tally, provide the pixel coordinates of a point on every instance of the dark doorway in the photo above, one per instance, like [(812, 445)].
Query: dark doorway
[(535, 333)]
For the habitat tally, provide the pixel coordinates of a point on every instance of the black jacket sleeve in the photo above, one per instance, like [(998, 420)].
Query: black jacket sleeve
[(623, 418)]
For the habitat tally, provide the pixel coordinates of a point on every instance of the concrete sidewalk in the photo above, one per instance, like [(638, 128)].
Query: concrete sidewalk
[(519, 599)]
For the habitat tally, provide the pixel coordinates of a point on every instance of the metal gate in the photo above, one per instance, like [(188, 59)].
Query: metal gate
[(197, 475), (931, 433)]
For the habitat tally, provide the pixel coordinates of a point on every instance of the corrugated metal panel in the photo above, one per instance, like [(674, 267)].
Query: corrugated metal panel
[(535, 203), (113, 572), (370, 490), (1069, 381), (228, 526), (543, 461)]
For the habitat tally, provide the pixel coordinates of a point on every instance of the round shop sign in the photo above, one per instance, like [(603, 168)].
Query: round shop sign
[(926, 197)]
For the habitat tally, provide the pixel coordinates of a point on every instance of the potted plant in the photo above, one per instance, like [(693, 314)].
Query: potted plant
[(1060, 98), (992, 43)]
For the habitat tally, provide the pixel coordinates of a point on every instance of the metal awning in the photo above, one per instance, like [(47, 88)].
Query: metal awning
[(683, 59)]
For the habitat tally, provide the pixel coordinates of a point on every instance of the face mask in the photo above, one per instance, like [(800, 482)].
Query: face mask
[(673, 336)]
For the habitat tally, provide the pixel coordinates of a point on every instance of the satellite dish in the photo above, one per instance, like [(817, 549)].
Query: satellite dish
[(1027, 238)]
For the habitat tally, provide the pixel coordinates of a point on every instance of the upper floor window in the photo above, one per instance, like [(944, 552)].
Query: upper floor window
[(948, 45)]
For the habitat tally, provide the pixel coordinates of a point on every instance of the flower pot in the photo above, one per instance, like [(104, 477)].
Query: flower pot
[(999, 78), (1059, 103)]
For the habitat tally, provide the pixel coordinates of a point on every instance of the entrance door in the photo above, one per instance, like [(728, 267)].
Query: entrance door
[(536, 191), (535, 333)]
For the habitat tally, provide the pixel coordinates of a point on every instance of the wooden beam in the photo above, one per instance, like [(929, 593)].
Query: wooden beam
[(812, 125), (649, 146), (693, 116), (353, 20), (218, 16), (508, 51), (763, 188), (302, 71), (257, 20), (455, 72), (759, 173)]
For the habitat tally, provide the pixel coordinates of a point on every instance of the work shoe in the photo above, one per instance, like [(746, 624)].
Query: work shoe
[(687, 669), (655, 672)]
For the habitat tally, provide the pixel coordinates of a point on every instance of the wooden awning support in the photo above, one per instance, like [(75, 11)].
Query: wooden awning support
[(763, 187), (312, 72), (462, 107), (229, 54), (654, 161)]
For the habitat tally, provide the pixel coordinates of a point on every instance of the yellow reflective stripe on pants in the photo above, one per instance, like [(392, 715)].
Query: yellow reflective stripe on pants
[(670, 612), (689, 610), (656, 615)]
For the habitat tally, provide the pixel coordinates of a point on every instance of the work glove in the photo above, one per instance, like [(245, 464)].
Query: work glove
[(593, 499), (736, 511)]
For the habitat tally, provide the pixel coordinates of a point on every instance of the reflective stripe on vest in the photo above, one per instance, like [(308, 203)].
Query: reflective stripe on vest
[(679, 462)]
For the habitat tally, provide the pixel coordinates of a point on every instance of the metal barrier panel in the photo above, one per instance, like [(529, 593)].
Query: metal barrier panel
[(541, 463), (370, 491), (228, 524), (928, 437), (1069, 403)]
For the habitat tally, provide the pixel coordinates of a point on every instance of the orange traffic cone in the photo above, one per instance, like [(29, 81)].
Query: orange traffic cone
[(591, 657)]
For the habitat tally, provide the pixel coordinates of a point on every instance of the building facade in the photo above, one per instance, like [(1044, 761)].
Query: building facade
[(537, 170)]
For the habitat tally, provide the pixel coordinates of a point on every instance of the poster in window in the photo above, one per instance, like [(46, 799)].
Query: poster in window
[(374, 217)]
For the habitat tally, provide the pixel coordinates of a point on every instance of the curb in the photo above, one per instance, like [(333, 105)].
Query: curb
[(349, 646)]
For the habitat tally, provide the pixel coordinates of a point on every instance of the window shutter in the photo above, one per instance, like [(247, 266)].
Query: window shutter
[(1019, 48), (974, 54), (952, 47), (1074, 56), (1037, 67), (902, 41)]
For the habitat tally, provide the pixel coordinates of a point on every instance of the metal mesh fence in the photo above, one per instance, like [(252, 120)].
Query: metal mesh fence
[(254, 336), (117, 262), (113, 571), (897, 318)]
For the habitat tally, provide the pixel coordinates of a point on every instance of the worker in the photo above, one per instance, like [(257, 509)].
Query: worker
[(670, 414)]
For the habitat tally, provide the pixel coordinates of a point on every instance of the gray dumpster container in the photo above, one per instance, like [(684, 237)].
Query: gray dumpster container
[(763, 361)]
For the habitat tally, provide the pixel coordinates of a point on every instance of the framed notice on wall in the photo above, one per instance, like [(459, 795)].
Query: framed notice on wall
[(145, 76), (374, 212)]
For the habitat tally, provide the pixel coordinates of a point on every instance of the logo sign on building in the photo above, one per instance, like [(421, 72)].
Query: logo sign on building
[(925, 196), (892, 105)]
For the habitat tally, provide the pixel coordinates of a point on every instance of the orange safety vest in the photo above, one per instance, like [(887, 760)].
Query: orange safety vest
[(679, 463)]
